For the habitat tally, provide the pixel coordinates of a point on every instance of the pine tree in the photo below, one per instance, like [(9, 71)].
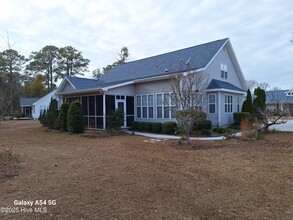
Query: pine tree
[(75, 123), (247, 104), (62, 117)]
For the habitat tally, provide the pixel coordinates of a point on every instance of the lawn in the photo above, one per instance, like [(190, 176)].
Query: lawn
[(122, 177)]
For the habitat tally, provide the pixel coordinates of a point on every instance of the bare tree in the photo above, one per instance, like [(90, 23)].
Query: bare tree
[(269, 118), (189, 96)]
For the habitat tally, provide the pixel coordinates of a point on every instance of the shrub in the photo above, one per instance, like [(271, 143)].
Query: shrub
[(147, 126), (202, 124), (220, 130), (115, 119), (62, 117), (239, 116), (75, 123), (141, 126), (135, 125), (206, 132), (157, 127), (44, 118), (52, 114), (169, 127)]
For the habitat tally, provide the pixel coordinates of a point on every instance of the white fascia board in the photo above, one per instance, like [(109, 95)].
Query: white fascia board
[(216, 54), (225, 90), (117, 85), (49, 94), (81, 91), (63, 83)]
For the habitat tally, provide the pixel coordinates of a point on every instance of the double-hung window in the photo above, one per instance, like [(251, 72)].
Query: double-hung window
[(228, 103), (212, 103), (145, 106), (224, 71), (166, 106)]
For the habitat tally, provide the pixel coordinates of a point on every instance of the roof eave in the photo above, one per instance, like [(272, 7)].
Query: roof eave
[(81, 91), (226, 90)]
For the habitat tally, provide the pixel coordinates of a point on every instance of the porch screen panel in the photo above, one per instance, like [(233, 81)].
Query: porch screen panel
[(129, 110), (110, 103), (84, 105), (92, 105), (99, 105)]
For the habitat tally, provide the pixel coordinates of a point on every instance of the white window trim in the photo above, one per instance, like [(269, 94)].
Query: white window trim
[(228, 104), (163, 105), (147, 106), (224, 69), (209, 103)]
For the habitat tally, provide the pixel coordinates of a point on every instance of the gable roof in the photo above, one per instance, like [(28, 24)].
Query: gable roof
[(27, 101), (278, 96), (48, 95), (192, 58), (218, 84)]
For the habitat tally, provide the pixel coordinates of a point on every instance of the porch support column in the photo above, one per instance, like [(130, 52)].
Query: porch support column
[(219, 109), (104, 111)]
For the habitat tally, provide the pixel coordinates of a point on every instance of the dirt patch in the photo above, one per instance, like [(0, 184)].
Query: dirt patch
[(123, 177)]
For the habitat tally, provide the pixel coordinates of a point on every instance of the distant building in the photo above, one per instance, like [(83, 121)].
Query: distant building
[(280, 100), (33, 107)]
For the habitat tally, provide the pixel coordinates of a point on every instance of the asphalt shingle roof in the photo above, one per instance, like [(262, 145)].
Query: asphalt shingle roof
[(191, 58), (218, 84), (27, 101), (278, 96), (84, 83)]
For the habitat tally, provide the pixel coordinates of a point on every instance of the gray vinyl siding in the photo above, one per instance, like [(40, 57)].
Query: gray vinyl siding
[(128, 90), (214, 69), (67, 87)]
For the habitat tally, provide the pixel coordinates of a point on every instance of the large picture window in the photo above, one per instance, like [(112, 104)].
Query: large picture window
[(228, 103)]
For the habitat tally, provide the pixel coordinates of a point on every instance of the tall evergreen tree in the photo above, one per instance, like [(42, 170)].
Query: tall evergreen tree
[(11, 68), (71, 62), (62, 117), (45, 61), (75, 123), (247, 104)]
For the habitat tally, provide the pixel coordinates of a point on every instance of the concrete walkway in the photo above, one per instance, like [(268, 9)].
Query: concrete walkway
[(164, 136)]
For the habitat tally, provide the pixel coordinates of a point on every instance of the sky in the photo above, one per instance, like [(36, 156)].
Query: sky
[(259, 30)]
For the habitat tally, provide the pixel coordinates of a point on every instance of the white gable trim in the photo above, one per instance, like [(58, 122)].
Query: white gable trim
[(117, 85), (46, 96), (62, 85), (226, 90)]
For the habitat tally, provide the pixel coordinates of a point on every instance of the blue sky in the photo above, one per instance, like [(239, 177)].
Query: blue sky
[(259, 30)]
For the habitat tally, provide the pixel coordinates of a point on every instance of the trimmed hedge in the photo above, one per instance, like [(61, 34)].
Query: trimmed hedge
[(135, 125), (239, 116), (157, 127), (169, 127), (202, 125), (147, 126)]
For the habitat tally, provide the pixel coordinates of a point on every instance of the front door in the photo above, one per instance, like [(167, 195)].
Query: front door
[(120, 104)]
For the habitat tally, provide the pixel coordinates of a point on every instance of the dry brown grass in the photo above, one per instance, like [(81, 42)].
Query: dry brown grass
[(121, 177)]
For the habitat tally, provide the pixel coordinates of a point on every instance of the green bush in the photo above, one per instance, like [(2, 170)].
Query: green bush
[(115, 119), (147, 126), (169, 127), (52, 114), (135, 125), (75, 123), (206, 132), (220, 130), (202, 124), (239, 116), (62, 117), (44, 118), (157, 127), (141, 126)]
